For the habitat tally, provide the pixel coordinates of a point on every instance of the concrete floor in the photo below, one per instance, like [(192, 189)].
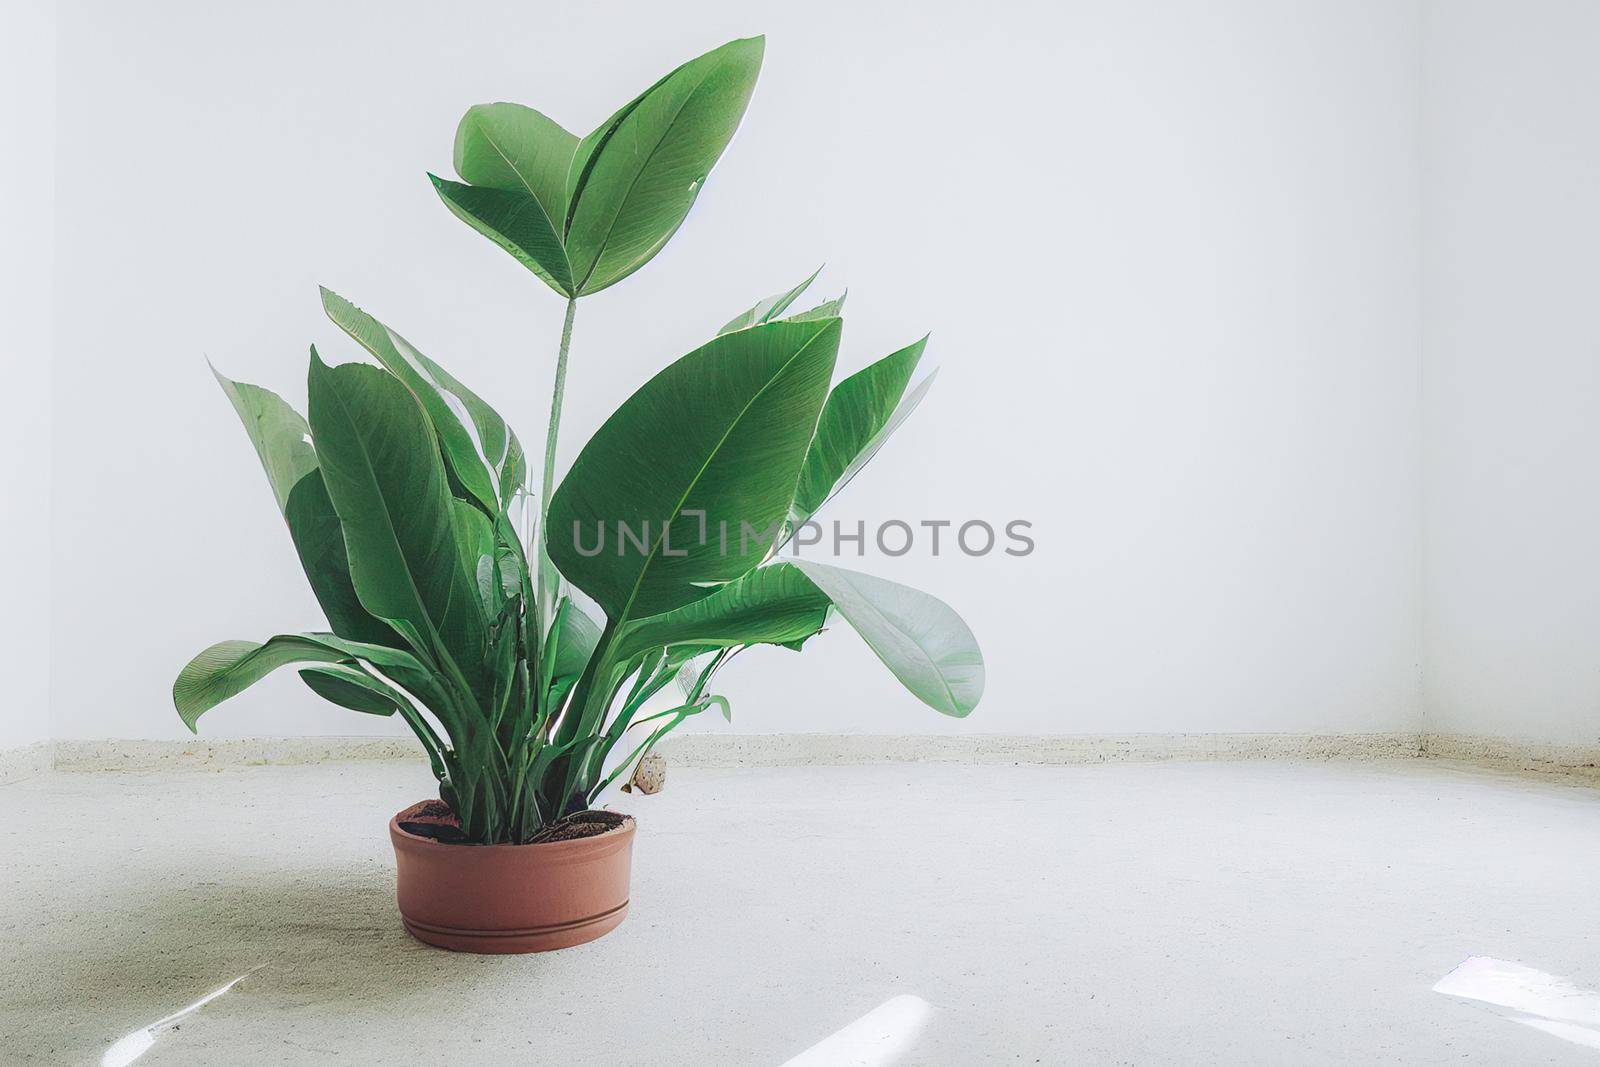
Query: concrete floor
[(1155, 913)]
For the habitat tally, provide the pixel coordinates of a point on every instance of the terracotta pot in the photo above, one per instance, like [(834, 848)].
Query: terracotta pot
[(512, 898)]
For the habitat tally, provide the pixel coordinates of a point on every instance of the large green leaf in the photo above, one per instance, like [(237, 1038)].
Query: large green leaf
[(918, 637), (352, 688), (721, 431), (584, 159), (381, 464), (476, 543), (857, 409), (282, 440), (517, 149), (319, 542), (281, 437), (902, 412), (230, 667), (769, 308), (575, 639), (517, 223), (636, 178), (776, 604), (432, 384), (349, 686)]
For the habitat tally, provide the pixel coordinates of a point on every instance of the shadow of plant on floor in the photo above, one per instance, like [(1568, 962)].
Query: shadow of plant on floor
[(303, 938)]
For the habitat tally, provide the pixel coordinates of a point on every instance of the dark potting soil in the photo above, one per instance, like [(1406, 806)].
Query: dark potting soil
[(433, 819), (581, 824)]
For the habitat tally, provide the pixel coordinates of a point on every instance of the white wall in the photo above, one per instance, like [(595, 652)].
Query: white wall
[(27, 203), (1512, 369), (1167, 252)]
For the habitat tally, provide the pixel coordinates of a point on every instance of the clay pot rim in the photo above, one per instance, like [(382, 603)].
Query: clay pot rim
[(616, 834)]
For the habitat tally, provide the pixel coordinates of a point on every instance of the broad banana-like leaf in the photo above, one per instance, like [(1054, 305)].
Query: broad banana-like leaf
[(918, 637), (576, 636), (722, 432), (583, 160), (380, 461), (351, 688), (776, 604), (517, 223), (282, 440), (499, 578), (432, 384), (902, 412), (319, 542), (474, 534), (230, 667), (768, 309), (281, 436), (857, 409), (636, 177), (519, 150), (475, 541)]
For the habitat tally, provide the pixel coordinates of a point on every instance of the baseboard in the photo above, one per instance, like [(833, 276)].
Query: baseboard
[(773, 750), (782, 750), (1518, 754), (28, 761), (790, 750), (127, 755)]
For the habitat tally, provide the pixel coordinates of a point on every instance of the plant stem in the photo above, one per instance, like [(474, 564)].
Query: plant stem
[(547, 575)]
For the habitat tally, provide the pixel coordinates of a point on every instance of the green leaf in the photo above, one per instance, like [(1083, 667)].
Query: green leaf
[(721, 431), (281, 437), (856, 411), (576, 637), (351, 688), (776, 604), (381, 464), (638, 175), (230, 667), (476, 544), (319, 542), (517, 149), (825, 310), (431, 384), (770, 308), (902, 412), (514, 221), (918, 637)]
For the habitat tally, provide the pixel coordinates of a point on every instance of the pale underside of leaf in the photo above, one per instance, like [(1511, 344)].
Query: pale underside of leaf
[(917, 636)]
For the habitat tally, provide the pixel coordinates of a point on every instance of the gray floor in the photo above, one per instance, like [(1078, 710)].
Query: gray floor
[(1157, 913)]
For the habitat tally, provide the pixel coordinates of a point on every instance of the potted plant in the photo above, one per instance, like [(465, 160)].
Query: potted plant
[(521, 633)]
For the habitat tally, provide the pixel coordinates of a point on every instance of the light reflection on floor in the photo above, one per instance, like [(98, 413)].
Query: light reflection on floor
[(877, 1039), (130, 1047), (1531, 997)]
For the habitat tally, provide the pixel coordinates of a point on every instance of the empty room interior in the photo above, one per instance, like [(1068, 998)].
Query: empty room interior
[(452, 616)]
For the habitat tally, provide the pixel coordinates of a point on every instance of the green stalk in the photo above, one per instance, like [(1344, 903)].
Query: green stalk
[(548, 580)]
